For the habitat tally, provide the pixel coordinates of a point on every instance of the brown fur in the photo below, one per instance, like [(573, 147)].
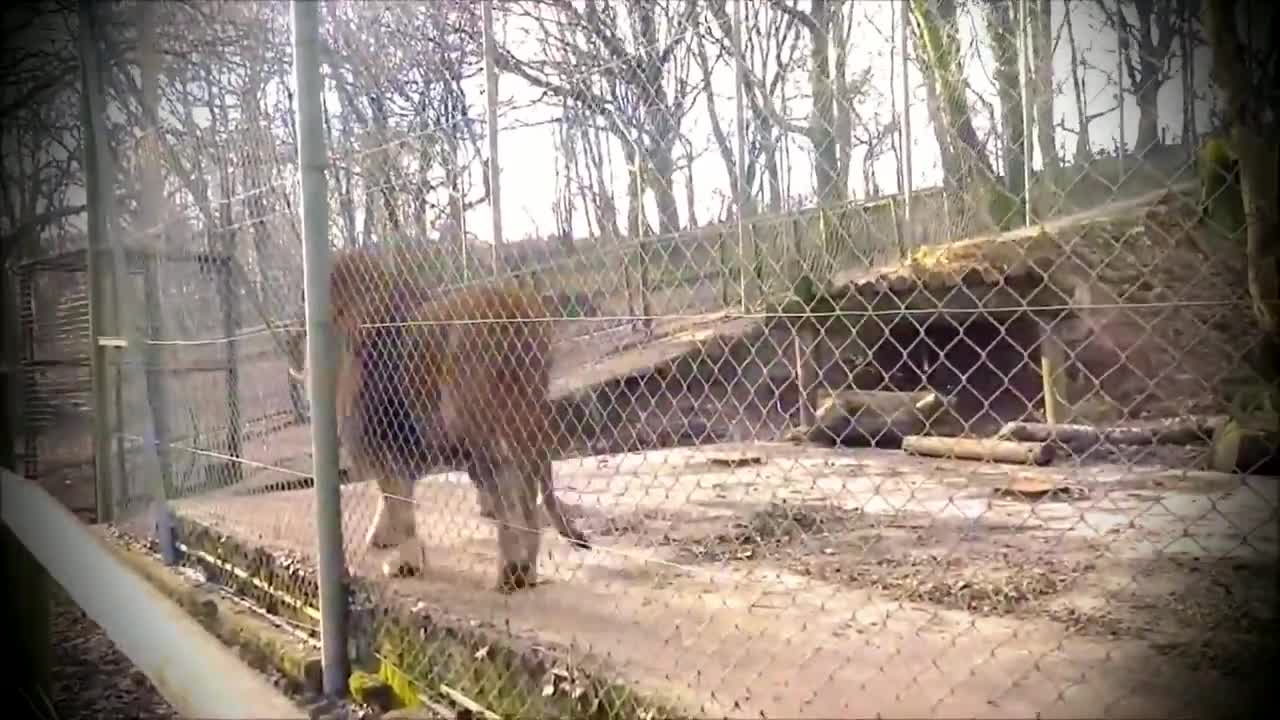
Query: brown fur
[(459, 381)]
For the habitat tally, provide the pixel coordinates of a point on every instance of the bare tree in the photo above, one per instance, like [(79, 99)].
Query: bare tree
[(834, 90), (639, 51), (39, 128), (401, 73), (1246, 66), (966, 164), (769, 54), (1146, 55), (1043, 48), (1002, 28)]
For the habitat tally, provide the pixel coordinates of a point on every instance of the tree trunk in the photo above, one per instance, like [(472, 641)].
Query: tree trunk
[(661, 175), (983, 205), (1084, 145), (690, 194), (635, 228), (1251, 108), (723, 144), (1156, 28), (1188, 49), (1148, 118), (1042, 65), (826, 170), (1002, 28), (950, 169), (385, 176), (344, 176)]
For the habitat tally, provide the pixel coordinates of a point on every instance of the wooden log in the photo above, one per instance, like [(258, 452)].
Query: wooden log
[(874, 418), (1080, 438), (1005, 451), (1076, 437)]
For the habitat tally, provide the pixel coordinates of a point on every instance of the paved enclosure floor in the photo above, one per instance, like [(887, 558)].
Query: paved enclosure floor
[(799, 582)]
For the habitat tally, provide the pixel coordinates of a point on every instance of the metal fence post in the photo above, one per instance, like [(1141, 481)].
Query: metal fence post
[(805, 341), (491, 113), (102, 315), (321, 347), (229, 299), (157, 379)]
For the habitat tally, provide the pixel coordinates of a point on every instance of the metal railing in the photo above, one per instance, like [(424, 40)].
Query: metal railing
[(192, 670)]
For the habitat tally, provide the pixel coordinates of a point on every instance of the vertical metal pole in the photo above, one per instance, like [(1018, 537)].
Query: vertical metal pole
[(1028, 117), (491, 110), (321, 346), (908, 233), (806, 370), (156, 379), (230, 301), (152, 189), (1122, 47), (138, 351), (740, 128), (102, 318)]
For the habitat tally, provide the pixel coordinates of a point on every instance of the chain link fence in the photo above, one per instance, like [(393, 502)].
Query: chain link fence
[(860, 356)]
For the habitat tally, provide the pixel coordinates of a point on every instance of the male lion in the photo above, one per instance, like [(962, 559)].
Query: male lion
[(460, 381)]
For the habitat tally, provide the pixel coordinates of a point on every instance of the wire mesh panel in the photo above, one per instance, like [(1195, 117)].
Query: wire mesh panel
[(53, 310), (780, 359)]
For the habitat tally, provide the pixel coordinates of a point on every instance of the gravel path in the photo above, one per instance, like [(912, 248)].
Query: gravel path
[(92, 679)]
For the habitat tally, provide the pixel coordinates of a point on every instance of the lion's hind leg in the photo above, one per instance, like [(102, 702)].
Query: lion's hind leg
[(514, 506)]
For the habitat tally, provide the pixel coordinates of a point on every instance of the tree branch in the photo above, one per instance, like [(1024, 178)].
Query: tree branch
[(799, 16), (753, 91), (9, 241)]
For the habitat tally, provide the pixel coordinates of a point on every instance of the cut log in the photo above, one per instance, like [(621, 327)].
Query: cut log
[(873, 418), (1075, 437), (1005, 451), (1080, 438)]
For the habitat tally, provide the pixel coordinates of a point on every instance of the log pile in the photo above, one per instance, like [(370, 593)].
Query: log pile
[(924, 424)]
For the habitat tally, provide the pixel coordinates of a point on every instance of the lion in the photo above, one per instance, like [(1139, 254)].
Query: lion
[(460, 381)]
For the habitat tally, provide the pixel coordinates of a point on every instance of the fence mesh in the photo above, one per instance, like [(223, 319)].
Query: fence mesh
[(949, 403)]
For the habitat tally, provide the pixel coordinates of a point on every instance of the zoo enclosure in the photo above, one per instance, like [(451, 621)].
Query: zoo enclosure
[(894, 305)]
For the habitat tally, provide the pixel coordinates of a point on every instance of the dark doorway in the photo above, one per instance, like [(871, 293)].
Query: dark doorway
[(988, 365)]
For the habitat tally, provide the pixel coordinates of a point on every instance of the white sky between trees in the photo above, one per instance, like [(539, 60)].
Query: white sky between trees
[(528, 154)]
